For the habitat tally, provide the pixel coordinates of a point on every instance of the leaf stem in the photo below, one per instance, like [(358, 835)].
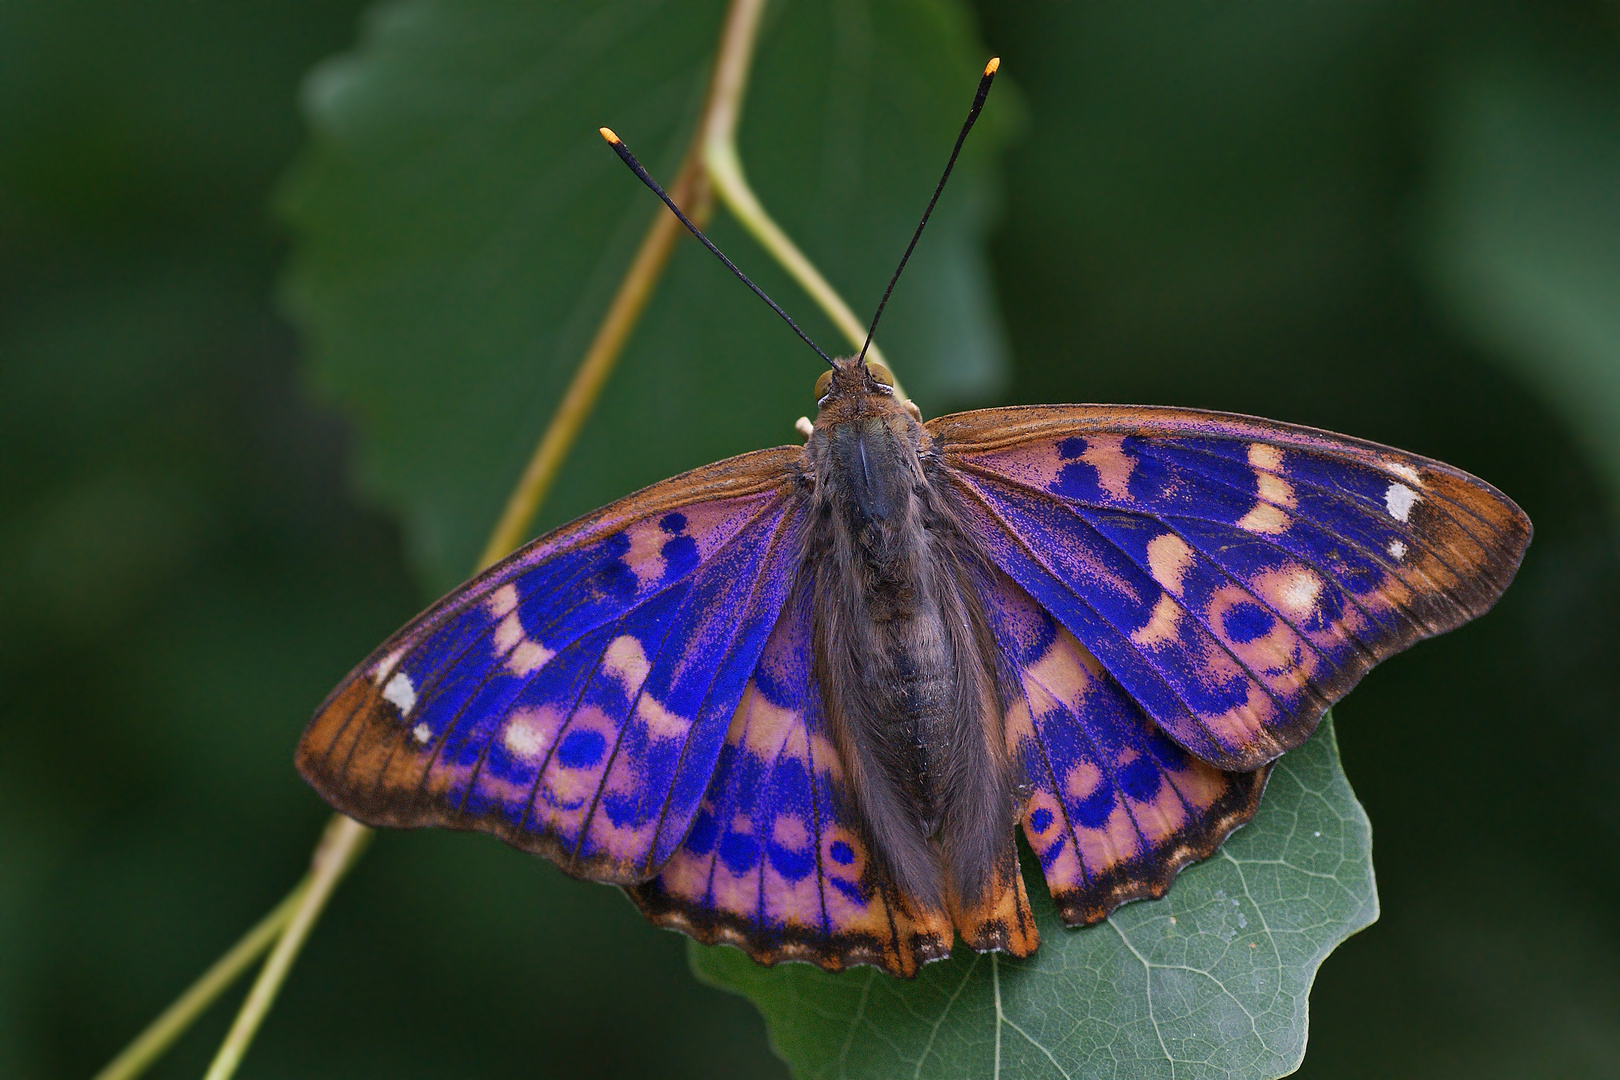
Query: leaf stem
[(691, 192), (289, 924), (150, 1044), (725, 171), (340, 845), (690, 189)]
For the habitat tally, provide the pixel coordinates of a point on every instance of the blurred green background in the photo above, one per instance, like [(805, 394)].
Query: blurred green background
[(1397, 220)]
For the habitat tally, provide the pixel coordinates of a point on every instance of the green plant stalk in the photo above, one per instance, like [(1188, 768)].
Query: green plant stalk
[(173, 1021), (714, 148), (340, 845), (578, 401), (726, 173)]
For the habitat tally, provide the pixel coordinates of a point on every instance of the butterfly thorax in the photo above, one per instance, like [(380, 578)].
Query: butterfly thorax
[(902, 648)]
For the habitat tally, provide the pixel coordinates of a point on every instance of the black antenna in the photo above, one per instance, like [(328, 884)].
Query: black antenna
[(635, 167), (985, 80)]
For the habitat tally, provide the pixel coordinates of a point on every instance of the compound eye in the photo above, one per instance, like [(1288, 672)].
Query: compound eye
[(880, 373), (823, 384)]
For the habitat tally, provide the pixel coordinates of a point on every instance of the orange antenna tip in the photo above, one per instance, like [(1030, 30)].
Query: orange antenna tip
[(993, 65), (607, 133)]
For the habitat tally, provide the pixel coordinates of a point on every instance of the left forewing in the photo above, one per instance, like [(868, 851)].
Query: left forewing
[(573, 699)]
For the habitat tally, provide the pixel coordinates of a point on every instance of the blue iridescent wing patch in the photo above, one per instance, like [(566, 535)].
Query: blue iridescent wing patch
[(1116, 808), (1183, 595), (776, 862), (574, 698), (1233, 576)]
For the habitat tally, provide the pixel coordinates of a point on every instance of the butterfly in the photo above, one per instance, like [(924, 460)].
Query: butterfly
[(799, 700)]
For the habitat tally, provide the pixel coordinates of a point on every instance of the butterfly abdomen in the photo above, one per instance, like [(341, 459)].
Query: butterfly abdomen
[(906, 668)]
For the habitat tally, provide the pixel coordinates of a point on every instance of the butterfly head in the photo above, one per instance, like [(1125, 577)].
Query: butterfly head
[(852, 388), (849, 378)]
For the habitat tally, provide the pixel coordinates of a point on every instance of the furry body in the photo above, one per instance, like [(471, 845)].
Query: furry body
[(903, 654)]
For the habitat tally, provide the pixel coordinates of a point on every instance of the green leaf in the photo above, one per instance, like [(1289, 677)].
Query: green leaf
[(1211, 981), (461, 228)]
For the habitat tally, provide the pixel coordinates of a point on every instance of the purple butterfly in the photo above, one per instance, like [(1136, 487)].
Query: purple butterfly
[(796, 701)]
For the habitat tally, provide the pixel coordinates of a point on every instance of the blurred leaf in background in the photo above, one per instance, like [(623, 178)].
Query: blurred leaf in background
[(462, 228), (1326, 213), (1523, 238), (182, 568)]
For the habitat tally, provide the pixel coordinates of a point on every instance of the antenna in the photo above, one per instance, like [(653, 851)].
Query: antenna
[(635, 166), (985, 80)]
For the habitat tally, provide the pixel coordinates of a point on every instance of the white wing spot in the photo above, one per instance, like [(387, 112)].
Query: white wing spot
[(1169, 556), (1398, 500), (1301, 592), (1264, 456), (528, 658), (626, 661), (401, 692), (1402, 469), (422, 733), (386, 665), (503, 601), (1397, 549), (524, 739)]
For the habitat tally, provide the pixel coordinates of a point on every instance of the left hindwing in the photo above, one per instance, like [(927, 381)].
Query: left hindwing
[(573, 699), (1234, 576)]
